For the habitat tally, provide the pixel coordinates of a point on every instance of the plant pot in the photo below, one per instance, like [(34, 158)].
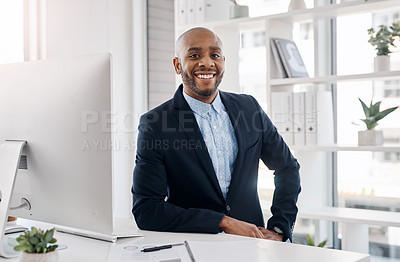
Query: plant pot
[(38, 257), (382, 63), (237, 11), (370, 137), (296, 4)]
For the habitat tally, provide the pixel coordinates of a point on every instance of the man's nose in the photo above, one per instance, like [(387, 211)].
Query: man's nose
[(206, 61)]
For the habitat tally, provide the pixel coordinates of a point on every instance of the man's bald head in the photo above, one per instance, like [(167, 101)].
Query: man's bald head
[(193, 33), (201, 63)]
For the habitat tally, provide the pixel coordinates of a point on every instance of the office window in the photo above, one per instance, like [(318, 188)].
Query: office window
[(11, 31), (252, 64), (368, 180)]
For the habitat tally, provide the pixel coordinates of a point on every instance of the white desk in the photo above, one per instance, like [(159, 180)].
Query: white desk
[(212, 249)]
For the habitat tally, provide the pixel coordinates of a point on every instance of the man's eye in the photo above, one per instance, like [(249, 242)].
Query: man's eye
[(215, 55), (194, 56)]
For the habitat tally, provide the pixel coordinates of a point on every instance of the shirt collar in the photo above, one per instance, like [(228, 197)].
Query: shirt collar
[(202, 108)]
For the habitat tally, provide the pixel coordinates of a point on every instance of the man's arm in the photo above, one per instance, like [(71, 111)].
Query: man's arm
[(277, 156), (236, 227)]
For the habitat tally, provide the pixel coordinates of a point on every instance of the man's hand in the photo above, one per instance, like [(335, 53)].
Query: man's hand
[(236, 227), (271, 235)]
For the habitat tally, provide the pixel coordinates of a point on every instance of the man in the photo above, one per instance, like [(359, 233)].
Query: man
[(198, 154)]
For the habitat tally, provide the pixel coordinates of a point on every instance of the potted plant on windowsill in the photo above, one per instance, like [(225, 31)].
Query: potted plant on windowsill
[(35, 247), (310, 242), (383, 39), (372, 116)]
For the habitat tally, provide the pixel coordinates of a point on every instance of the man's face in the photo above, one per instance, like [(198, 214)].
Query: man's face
[(201, 64)]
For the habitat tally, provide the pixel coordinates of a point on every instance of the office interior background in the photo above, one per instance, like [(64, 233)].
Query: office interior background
[(141, 34)]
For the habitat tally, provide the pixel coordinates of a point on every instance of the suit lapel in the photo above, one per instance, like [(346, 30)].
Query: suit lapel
[(188, 125)]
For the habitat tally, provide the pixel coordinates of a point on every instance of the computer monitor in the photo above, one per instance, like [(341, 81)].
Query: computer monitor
[(62, 108)]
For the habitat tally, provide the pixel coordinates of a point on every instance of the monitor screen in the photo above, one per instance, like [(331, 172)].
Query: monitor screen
[(62, 108)]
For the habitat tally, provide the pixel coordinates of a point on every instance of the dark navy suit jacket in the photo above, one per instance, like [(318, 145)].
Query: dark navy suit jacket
[(174, 184)]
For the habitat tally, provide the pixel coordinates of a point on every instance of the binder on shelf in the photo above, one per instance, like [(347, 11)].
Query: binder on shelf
[(311, 117), (281, 114), (299, 133), (191, 12), (279, 71), (325, 133), (200, 6), (182, 13), (217, 10), (291, 58), (319, 118)]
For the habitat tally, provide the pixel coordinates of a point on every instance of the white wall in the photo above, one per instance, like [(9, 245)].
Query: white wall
[(78, 27)]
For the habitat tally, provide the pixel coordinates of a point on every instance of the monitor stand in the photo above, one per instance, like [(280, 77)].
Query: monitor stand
[(10, 152)]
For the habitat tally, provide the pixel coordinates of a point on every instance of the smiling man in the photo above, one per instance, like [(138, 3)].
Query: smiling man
[(198, 155)]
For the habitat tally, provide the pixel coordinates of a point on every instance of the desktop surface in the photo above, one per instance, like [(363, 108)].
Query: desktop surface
[(205, 247)]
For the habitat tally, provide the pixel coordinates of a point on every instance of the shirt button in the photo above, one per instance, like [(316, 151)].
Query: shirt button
[(204, 114), (228, 208), (219, 152), (214, 127), (220, 177)]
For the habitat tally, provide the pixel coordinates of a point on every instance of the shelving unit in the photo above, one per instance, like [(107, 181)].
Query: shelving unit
[(315, 201), (391, 75), (326, 11)]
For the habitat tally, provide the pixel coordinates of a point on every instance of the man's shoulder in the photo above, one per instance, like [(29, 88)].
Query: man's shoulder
[(240, 99), (153, 115)]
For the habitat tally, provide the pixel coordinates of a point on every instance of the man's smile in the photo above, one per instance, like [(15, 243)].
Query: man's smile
[(205, 75)]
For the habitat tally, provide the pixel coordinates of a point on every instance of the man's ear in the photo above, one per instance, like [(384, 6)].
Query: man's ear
[(177, 65)]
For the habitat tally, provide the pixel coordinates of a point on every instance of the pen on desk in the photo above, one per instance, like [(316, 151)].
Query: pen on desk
[(189, 251), (157, 248)]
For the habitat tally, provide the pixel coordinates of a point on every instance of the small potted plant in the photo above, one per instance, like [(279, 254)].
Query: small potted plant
[(310, 242), (372, 116), (35, 247), (382, 40)]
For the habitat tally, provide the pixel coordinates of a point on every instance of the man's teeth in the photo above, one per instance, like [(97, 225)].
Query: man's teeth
[(205, 76)]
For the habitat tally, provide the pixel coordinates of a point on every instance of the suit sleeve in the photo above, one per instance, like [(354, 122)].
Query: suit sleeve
[(150, 190), (277, 156)]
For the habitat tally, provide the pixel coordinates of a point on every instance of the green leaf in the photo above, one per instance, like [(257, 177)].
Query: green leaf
[(52, 248), (365, 108), (48, 235), (309, 240), (374, 109), (53, 240), (384, 113), (33, 240), (33, 231), (370, 122), (21, 238), (30, 249), (322, 244), (21, 247)]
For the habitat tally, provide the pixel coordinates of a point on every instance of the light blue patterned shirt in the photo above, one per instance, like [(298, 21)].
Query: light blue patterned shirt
[(219, 136)]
